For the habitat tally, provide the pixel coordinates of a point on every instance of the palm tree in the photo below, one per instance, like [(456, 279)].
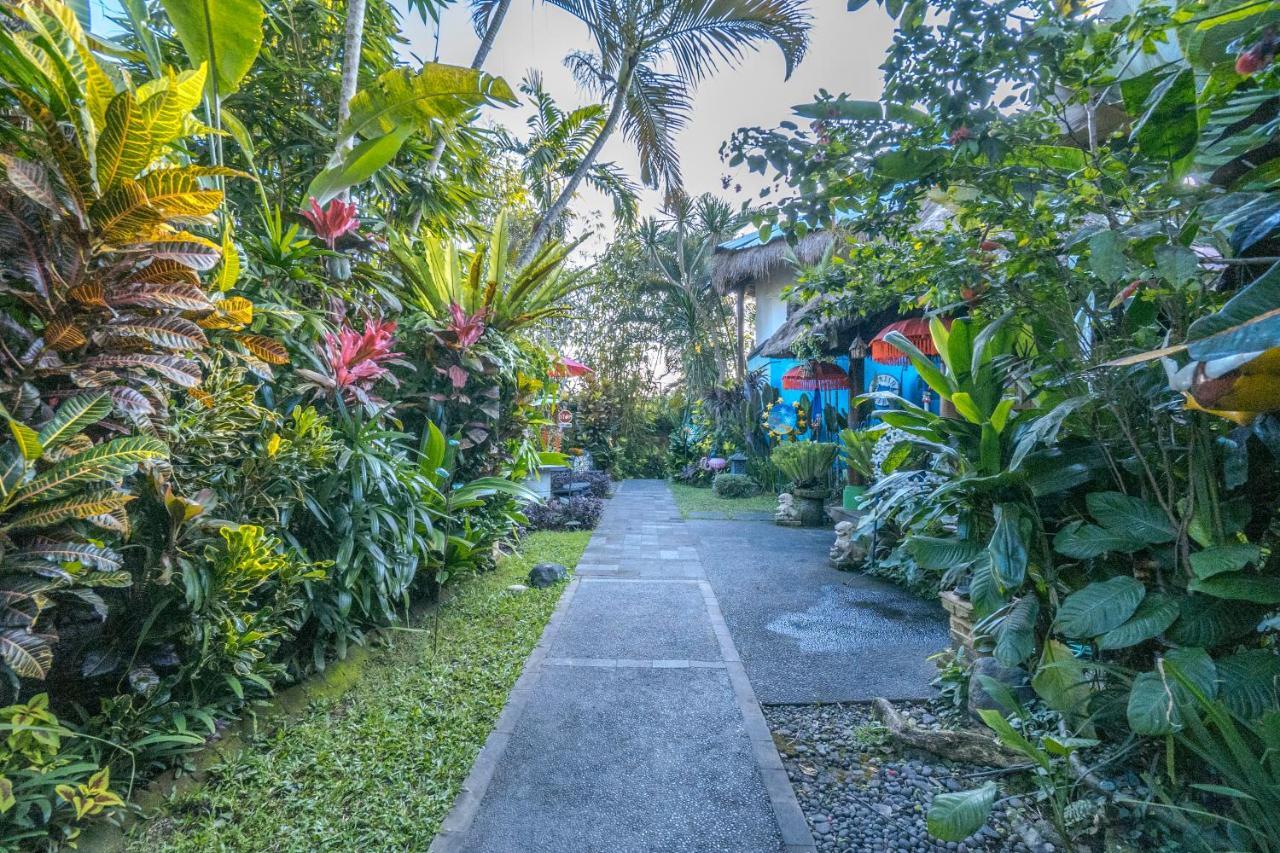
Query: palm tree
[(691, 316), (557, 142), (635, 41)]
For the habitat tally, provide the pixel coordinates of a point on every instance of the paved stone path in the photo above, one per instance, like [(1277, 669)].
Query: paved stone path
[(634, 726)]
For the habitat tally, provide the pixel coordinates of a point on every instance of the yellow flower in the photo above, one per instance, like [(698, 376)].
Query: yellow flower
[(273, 444)]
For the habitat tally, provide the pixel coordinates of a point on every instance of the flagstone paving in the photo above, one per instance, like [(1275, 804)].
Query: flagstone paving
[(634, 726)]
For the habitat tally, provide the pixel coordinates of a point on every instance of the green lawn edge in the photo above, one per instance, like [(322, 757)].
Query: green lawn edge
[(691, 499), (378, 767)]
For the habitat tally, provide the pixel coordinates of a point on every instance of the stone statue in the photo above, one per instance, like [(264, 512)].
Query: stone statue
[(787, 513), (847, 552)]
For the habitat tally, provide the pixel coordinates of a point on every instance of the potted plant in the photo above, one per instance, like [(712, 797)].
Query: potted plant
[(807, 464), (856, 449)]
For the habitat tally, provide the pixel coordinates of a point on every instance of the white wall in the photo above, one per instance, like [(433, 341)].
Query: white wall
[(771, 311)]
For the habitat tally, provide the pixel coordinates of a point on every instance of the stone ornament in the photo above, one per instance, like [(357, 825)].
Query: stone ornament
[(846, 552), (787, 513)]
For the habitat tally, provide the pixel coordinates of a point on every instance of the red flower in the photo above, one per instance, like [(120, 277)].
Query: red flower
[(1257, 57), (466, 328), (960, 134), (354, 361), (331, 221)]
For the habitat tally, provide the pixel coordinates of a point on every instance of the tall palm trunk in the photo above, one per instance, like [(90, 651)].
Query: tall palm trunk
[(558, 207), (352, 44), (477, 62)]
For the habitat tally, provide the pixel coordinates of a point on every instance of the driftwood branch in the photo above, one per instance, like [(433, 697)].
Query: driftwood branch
[(970, 747)]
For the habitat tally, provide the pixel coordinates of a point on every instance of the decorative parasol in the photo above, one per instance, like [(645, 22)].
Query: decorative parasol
[(565, 366), (816, 376), (915, 329)]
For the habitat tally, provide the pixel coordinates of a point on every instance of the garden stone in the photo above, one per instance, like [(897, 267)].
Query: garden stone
[(517, 588), (847, 552), (1013, 677), (547, 574)]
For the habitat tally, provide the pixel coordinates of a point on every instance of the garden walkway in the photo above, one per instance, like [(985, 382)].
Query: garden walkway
[(634, 726)]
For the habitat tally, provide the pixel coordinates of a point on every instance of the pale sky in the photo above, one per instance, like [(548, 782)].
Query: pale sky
[(845, 52)]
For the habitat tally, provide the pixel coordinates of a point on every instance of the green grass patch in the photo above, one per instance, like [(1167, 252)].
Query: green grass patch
[(692, 499), (378, 768)]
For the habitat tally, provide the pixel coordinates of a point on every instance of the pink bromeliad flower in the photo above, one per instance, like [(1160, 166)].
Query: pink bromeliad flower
[(467, 328), (331, 221), (354, 361)]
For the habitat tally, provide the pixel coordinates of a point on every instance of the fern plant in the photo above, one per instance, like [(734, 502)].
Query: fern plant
[(56, 487), (807, 464)]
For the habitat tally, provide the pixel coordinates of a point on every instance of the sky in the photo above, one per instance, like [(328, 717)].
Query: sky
[(845, 52)]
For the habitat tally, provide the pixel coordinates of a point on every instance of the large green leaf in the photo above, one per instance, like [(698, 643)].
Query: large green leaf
[(1249, 322), (1082, 541), (1063, 682), (103, 462), (433, 95), (924, 365), (1157, 698), (1240, 586), (1208, 622), (1156, 613), (956, 816), (1249, 681), (1139, 519), (358, 165), (1007, 548), (1100, 607), (1170, 126), (1015, 633), (74, 415), (227, 34), (1224, 558), (942, 554)]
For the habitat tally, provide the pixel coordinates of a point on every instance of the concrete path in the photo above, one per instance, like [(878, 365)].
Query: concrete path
[(633, 726), (808, 633)]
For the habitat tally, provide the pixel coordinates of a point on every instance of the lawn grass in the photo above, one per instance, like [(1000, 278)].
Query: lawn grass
[(692, 499), (378, 768)]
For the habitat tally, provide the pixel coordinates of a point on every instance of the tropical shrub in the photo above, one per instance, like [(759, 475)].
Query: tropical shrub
[(599, 483), (575, 513), (734, 486), (48, 785), (807, 464)]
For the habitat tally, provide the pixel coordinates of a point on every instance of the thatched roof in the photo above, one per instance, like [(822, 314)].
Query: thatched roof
[(732, 268), (838, 331)]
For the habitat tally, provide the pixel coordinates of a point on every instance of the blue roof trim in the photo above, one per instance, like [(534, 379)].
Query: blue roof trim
[(752, 239)]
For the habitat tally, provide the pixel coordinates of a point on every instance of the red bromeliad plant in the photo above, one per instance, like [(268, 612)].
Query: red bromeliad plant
[(465, 328), (354, 361), (331, 221)]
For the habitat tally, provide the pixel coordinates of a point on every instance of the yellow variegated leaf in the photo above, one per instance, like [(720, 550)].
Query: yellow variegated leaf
[(62, 336), (176, 193), (94, 82), (201, 396), (89, 294), (166, 103), (268, 349), (124, 146), (28, 440), (78, 506), (229, 272), (217, 320), (238, 309), (165, 272), (70, 157), (183, 247), (123, 213)]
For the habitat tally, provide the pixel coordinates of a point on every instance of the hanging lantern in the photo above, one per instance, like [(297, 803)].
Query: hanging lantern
[(816, 376), (914, 329)]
